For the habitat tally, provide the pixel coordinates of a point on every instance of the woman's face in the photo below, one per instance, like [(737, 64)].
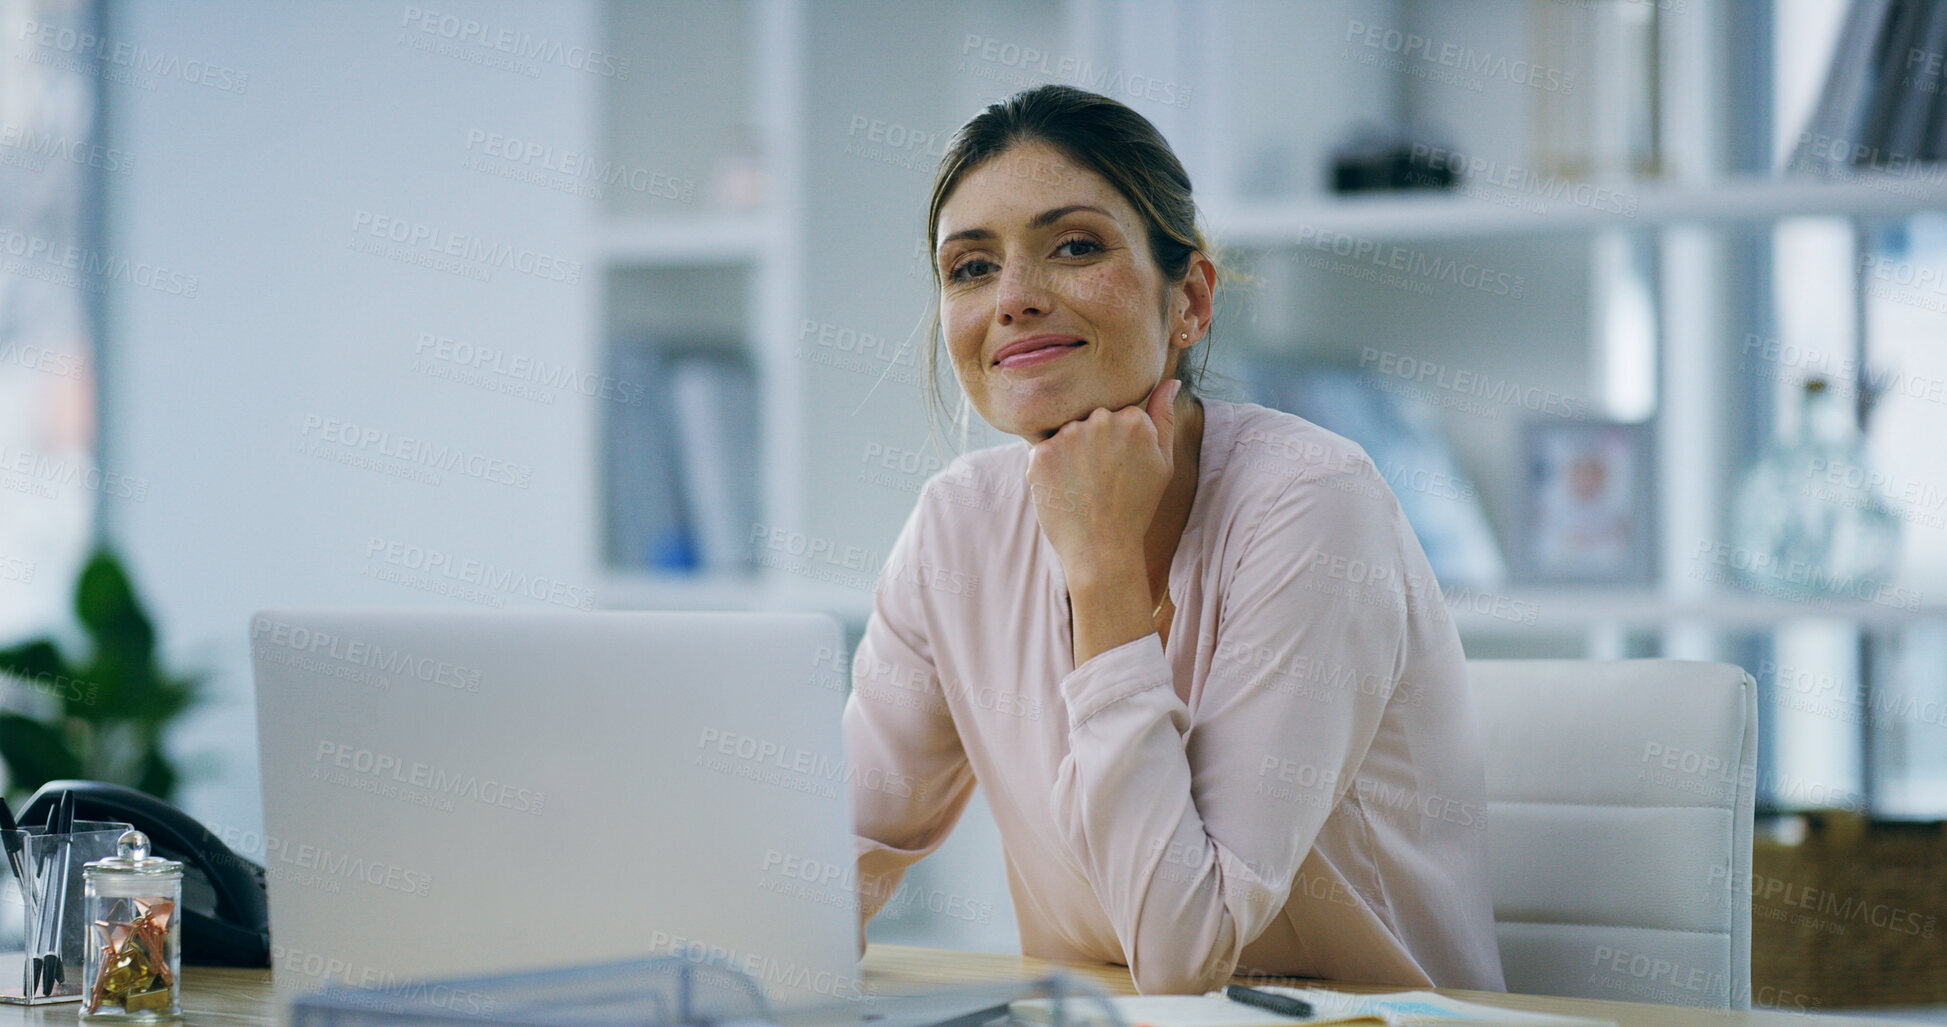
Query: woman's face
[(1050, 301)]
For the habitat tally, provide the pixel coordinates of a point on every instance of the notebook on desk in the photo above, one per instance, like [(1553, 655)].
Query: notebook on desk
[(458, 793)]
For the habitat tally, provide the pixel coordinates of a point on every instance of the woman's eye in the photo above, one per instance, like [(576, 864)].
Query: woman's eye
[(1078, 247), (970, 268), (980, 267)]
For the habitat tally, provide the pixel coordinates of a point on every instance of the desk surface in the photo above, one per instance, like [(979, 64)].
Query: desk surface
[(221, 997)]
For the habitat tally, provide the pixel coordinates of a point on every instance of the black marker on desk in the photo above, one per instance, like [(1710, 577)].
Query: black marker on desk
[(1283, 1005)]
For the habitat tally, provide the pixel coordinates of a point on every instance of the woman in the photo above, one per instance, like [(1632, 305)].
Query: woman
[(1191, 648)]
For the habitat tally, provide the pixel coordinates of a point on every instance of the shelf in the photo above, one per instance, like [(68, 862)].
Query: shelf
[(639, 591), (1536, 611), (1516, 612), (729, 238), (1437, 216)]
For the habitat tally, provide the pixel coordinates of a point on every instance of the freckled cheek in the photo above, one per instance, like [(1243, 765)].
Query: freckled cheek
[(1105, 288), (960, 338), (967, 367)]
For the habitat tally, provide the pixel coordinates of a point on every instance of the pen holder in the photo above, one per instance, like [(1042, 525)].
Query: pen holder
[(42, 935)]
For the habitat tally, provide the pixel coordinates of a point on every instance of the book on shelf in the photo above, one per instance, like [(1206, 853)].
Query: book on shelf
[(714, 401), (680, 461), (1408, 450), (644, 518), (1884, 95)]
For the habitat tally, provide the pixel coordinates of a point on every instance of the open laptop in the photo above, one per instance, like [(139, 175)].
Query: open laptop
[(450, 794)]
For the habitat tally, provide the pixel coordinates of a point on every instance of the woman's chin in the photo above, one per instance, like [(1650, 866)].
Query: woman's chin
[(1036, 410), (1037, 423)]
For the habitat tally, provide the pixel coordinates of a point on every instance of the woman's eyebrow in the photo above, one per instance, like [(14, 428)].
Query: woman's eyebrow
[(1041, 220)]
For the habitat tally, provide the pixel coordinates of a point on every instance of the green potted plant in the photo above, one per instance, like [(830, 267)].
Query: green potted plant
[(101, 715)]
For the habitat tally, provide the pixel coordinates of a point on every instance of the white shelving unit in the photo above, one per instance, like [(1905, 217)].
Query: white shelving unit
[(756, 248), (1601, 613), (1690, 213), (725, 238), (1575, 611), (1651, 205), (648, 592), (1683, 209), (770, 270)]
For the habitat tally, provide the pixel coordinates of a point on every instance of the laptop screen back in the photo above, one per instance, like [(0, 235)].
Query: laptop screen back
[(457, 793)]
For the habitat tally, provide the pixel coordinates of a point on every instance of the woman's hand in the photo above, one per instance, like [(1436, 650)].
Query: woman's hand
[(1096, 483)]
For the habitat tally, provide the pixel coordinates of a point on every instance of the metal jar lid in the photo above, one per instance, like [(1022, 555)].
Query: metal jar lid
[(132, 857)]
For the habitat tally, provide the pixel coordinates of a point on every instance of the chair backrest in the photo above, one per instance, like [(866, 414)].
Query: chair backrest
[(1619, 798)]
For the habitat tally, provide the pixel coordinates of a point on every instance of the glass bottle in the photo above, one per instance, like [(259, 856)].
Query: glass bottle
[(1810, 520), (132, 966)]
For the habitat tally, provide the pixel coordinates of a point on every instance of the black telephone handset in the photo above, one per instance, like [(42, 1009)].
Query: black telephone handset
[(225, 916)]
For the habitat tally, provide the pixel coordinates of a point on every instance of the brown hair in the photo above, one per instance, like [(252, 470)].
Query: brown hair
[(1103, 136)]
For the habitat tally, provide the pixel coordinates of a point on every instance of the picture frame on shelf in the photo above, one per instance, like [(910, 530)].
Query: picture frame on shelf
[(1588, 510)]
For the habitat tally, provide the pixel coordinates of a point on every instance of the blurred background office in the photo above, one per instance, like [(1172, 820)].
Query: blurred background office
[(1637, 304)]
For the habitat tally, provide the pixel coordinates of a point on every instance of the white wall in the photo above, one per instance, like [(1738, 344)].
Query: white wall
[(257, 194)]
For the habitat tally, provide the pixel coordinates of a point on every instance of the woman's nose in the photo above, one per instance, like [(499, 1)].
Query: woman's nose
[(1024, 292)]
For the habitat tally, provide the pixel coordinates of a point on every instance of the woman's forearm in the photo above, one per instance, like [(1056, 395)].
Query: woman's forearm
[(1124, 799), (1110, 603), (1097, 486)]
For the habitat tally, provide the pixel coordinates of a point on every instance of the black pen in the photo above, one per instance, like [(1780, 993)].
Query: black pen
[(10, 833), (41, 896), (1283, 1005), (65, 855), (53, 884), (11, 837)]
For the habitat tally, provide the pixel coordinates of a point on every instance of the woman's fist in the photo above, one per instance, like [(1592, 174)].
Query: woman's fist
[(1096, 482)]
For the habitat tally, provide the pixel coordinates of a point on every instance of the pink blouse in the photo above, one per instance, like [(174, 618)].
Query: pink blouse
[(1290, 783)]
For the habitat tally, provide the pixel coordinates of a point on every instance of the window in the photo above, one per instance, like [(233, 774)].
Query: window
[(49, 289)]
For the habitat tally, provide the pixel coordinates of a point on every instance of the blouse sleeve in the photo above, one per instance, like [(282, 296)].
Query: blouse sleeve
[(1191, 835), (910, 775)]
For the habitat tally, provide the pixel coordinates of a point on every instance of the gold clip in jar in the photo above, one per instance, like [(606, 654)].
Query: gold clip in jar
[(133, 954)]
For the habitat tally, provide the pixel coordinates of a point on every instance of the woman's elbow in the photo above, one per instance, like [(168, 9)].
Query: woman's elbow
[(1179, 973)]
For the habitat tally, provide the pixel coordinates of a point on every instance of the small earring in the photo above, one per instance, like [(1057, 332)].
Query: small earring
[(1182, 335)]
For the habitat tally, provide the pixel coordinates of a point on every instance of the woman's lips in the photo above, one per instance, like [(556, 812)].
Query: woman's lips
[(1039, 354)]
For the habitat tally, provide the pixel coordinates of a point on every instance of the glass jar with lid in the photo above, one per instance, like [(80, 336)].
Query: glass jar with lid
[(132, 966)]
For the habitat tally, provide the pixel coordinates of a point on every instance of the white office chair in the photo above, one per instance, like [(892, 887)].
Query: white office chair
[(1619, 797)]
